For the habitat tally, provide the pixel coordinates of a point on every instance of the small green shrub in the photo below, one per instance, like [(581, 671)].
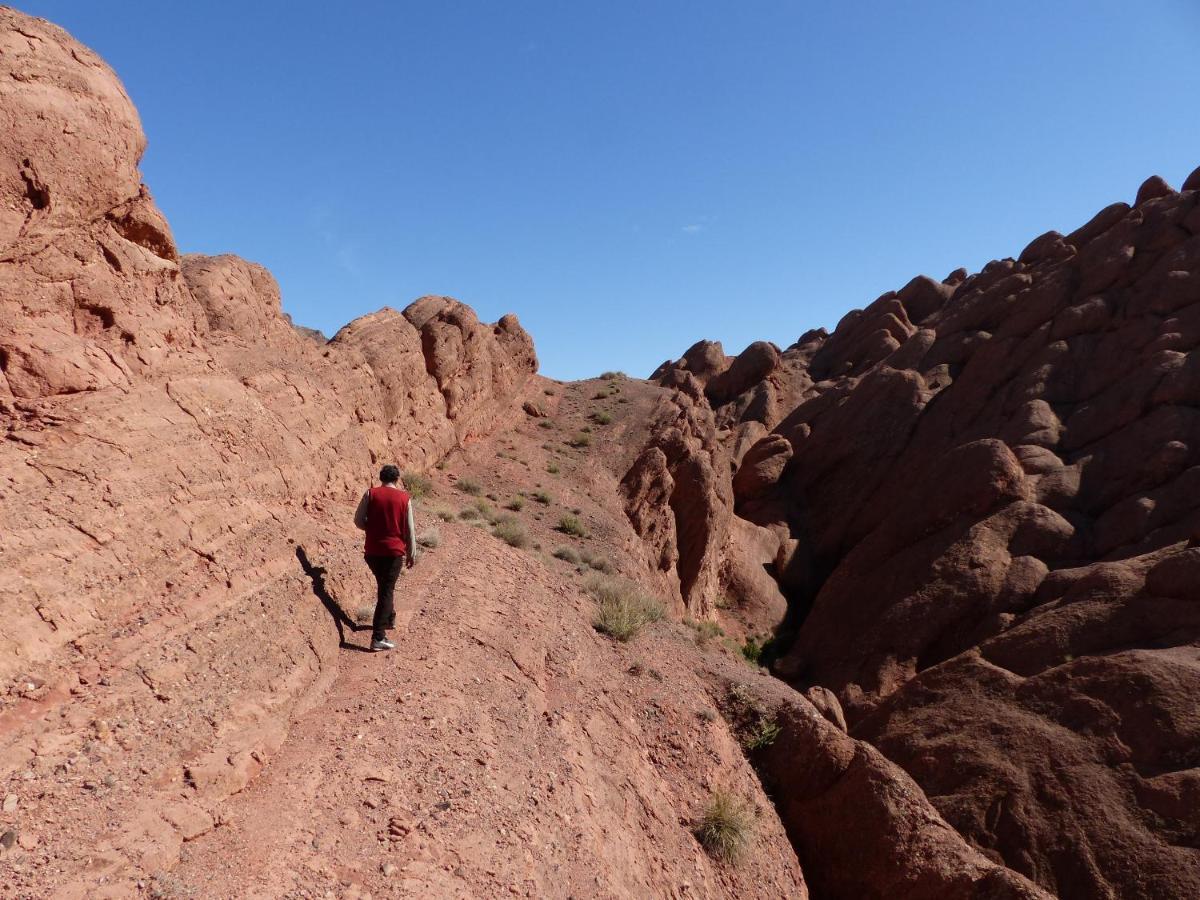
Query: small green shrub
[(469, 486), (416, 484), (516, 504), (762, 734), (567, 554), (552, 468), (429, 538), (602, 417), (512, 533), (570, 524), (469, 514), (752, 651), (545, 423), (726, 826), (600, 395), (542, 497), (446, 515), (580, 441)]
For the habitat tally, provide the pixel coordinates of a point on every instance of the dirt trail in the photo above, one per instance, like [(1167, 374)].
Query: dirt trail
[(501, 749)]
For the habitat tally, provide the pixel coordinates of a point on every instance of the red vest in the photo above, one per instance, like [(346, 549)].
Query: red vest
[(387, 522)]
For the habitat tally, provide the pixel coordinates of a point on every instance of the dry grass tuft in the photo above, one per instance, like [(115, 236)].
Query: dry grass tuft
[(469, 486), (595, 561), (622, 610), (567, 554), (726, 827), (416, 484), (570, 524), (512, 533), (430, 538)]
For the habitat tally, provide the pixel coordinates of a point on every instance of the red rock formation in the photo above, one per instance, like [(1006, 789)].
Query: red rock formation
[(169, 437), (982, 491), (976, 494)]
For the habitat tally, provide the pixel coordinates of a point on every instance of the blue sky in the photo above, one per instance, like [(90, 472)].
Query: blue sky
[(631, 177)]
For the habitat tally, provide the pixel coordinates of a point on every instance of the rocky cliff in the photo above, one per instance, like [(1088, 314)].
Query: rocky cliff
[(976, 496)]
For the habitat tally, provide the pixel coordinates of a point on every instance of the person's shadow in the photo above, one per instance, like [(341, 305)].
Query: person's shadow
[(340, 619)]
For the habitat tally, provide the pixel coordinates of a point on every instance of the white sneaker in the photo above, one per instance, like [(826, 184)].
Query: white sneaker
[(382, 644)]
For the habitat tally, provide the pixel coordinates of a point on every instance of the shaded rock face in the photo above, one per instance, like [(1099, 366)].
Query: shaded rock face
[(983, 492)]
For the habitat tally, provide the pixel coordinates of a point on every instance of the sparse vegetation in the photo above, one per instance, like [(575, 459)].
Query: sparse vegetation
[(755, 726), (512, 533), (542, 497), (567, 554), (430, 538), (545, 423), (469, 486), (580, 441), (603, 417), (726, 827), (469, 514), (594, 561), (752, 651), (600, 395), (552, 468), (705, 630), (446, 515), (516, 504), (570, 524), (621, 609), (416, 484), (486, 511), (762, 734)]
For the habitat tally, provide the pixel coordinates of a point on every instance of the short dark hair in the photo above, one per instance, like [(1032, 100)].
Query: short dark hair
[(389, 474)]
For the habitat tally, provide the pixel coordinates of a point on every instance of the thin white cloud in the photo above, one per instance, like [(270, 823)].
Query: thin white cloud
[(692, 229)]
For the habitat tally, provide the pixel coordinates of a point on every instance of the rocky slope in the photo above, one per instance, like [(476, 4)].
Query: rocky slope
[(979, 500), (179, 464)]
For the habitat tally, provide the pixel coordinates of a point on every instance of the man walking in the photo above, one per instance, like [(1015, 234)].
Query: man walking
[(385, 514)]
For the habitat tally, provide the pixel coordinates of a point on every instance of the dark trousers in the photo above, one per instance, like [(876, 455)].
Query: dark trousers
[(386, 570)]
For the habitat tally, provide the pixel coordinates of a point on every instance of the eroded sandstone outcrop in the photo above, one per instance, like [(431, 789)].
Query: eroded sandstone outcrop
[(169, 442), (982, 492)]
